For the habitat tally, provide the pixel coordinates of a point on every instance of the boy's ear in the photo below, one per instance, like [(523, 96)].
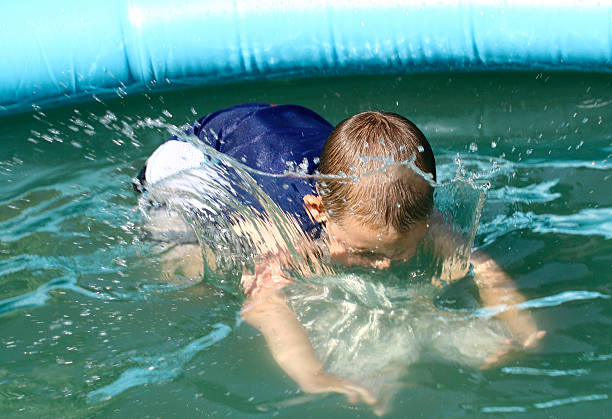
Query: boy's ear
[(314, 208)]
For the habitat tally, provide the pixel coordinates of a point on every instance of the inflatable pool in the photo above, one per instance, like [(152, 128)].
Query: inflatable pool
[(66, 50), (97, 321)]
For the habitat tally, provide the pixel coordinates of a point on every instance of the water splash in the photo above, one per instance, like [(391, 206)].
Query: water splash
[(535, 192), (364, 325), (235, 221)]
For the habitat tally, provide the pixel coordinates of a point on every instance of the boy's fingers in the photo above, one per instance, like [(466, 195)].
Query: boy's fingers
[(356, 392), (367, 397), (534, 338), (531, 341), (489, 362), (494, 359), (380, 411), (350, 395)]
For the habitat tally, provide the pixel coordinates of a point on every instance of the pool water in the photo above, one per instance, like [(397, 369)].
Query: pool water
[(90, 329)]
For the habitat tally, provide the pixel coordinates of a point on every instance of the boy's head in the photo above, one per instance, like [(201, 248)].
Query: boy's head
[(373, 204)]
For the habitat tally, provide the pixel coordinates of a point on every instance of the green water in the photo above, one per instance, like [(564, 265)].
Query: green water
[(82, 307)]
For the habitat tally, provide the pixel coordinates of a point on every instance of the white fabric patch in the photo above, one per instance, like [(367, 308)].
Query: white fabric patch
[(181, 176), (171, 158)]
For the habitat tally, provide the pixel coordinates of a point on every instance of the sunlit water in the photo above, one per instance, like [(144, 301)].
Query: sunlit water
[(91, 326)]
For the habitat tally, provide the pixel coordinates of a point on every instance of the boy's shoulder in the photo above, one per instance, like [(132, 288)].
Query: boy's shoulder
[(449, 246)]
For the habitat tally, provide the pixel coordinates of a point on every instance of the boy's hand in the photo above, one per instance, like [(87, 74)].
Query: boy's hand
[(526, 336), (512, 346), (289, 344), (534, 339), (524, 329), (323, 382), (496, 288), (268, 277)]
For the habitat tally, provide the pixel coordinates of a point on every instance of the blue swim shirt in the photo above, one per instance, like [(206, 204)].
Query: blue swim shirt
[(271, 139)]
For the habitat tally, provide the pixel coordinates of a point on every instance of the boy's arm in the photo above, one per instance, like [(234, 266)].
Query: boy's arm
[(266, 310), (496, 288)]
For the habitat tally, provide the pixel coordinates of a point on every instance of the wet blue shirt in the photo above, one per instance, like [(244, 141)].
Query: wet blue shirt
[(271, 139)]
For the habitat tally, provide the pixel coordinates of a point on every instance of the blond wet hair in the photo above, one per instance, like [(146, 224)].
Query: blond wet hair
[(363, 147)]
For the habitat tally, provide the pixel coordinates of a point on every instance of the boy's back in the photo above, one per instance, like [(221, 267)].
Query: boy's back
[(267, 138)]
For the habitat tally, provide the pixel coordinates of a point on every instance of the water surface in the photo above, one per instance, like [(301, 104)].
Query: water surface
[(88, 327)]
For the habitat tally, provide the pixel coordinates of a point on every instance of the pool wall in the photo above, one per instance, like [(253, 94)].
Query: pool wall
[(54, 52)]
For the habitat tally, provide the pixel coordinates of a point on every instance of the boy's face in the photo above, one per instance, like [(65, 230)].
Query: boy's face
[(352, 243)]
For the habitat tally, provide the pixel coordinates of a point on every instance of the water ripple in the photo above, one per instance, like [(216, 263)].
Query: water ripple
[(544, 405), (569, 400), (548, 301), (162, 367), (587, 222), (592, 357), (503, 409), (544, 372), (537, 192), (40, 295)]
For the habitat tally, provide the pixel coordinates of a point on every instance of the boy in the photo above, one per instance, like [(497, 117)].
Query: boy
[(379, 219)]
